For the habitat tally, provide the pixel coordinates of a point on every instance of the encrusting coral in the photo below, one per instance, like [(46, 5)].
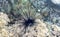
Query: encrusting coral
[(3, 22), (3, 19)]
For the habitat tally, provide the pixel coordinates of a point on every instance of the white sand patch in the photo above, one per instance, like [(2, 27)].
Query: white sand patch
[(56, 1)]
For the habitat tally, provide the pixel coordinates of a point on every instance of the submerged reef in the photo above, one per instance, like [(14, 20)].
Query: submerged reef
[(49, 10), (29, 18)]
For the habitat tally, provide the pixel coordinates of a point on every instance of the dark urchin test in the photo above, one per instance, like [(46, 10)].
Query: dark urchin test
[(29, 22)]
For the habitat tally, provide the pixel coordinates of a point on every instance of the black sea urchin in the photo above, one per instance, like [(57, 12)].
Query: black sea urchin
[(28, 14), (28, 18)]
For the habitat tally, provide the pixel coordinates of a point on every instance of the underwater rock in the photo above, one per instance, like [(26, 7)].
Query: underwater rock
[(48, 10), (4, 19), (30, 18)]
